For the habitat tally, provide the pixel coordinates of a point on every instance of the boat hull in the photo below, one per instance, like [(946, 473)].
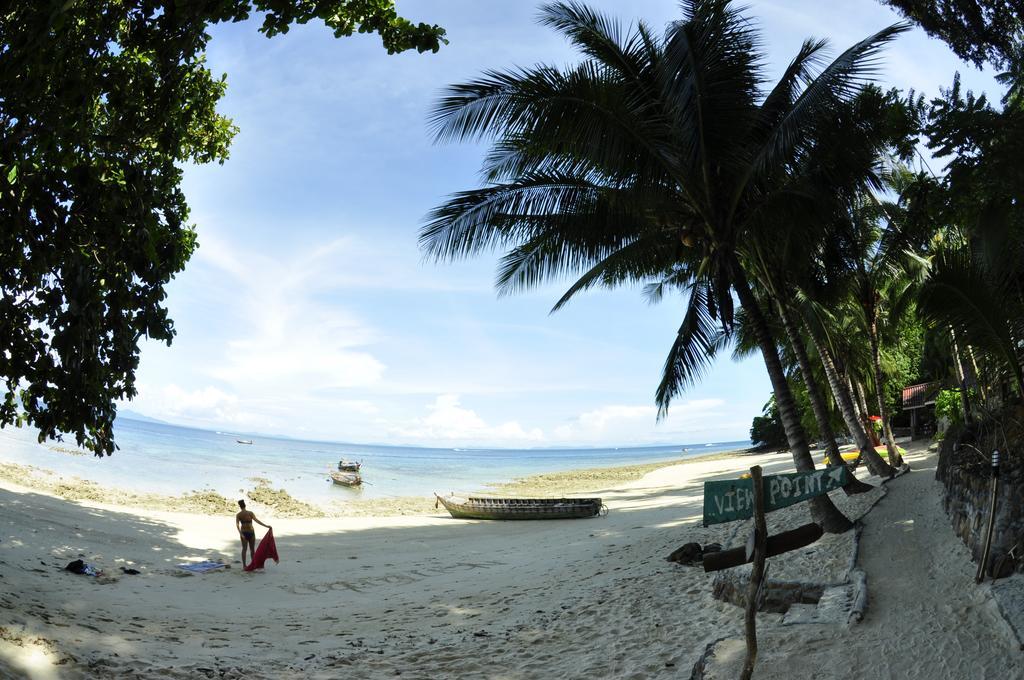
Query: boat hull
[(521, 508), (346, 479)]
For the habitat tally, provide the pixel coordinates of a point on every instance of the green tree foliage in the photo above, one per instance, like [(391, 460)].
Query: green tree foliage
[(976, 280), (101, 103), (803, 407), (766, 431), (948, 405), (978, 31), (902, 357), (974, 286)]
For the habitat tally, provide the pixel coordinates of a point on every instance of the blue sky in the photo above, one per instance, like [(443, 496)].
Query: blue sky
[(309, 311)]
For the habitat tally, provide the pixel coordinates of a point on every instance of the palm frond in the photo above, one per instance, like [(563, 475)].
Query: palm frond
[(839, 81), (597, 35), (476, 220), (692, 352), (655, 291), (744, 339), (710, 82), (587, 114), (798, 74), (959, 294), (556, 253)]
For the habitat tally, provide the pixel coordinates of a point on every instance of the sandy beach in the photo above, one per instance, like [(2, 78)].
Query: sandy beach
[(423, 595)]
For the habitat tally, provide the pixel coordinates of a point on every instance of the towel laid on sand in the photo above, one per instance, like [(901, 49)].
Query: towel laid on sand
[(202, 567), (266, 550)]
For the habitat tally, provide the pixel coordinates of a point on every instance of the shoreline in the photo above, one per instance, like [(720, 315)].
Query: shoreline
[(278, 503), (430, 596), (591, 479)]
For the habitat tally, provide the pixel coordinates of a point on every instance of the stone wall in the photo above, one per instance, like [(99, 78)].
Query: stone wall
[(964, 469)]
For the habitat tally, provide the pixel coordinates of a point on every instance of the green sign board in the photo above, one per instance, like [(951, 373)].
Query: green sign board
[(734, 499)]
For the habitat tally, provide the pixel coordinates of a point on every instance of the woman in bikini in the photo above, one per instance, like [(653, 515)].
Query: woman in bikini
[(243, 522)]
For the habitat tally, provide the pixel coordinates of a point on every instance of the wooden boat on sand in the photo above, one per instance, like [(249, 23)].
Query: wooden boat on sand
[(485, 507), (346, 478)]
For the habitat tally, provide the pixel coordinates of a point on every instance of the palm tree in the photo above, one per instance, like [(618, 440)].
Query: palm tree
[(745, 345), (650, 158), (817, 398), (793, 261), (843, 393), (793, 331), (819, 302), (882, 271), (976, 293)]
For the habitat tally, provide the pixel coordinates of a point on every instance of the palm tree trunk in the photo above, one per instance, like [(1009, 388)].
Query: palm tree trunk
[(961, 375), (862, 400), (857, 410), (817, 400), (823, 510), (977, 376), (890, 441), (844, 400)]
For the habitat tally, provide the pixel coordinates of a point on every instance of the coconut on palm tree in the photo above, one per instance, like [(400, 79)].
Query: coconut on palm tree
[(655, 156)]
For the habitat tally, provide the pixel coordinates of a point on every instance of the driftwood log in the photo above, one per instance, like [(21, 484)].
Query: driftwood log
[(777, 544)]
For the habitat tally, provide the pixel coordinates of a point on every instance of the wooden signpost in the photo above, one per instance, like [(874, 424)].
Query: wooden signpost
[(733, 500), (759, 538)]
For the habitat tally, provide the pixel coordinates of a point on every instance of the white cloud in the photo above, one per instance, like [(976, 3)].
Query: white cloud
[(450, 423), (206, 405), (360, 406), (637, 424), (288, 336)]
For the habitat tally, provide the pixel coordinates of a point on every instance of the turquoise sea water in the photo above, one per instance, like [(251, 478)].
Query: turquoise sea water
[(172, 460)]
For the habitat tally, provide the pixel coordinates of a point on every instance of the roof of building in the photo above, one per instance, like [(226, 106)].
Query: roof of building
[(918, 396)]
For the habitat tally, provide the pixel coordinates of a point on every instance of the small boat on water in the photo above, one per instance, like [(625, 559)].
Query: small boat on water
[(485, 507), (349, 465), (346, 478), (243, 441)]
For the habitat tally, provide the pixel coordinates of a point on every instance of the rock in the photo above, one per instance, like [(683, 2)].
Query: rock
[(690, 554)]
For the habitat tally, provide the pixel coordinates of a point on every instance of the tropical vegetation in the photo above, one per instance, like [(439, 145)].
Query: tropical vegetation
[(859, 240), (799, 217), (102, 103)]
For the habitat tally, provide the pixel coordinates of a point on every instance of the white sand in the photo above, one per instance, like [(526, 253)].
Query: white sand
[(429, 596), (926, 620)]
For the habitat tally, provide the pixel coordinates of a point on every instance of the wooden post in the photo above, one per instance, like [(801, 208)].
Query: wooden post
[(756, 573), (993, 495)]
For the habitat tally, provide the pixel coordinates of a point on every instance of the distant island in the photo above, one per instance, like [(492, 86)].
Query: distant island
[(127, 414)]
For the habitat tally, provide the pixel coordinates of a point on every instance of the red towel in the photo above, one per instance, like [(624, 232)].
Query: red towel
[(266, 550)]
